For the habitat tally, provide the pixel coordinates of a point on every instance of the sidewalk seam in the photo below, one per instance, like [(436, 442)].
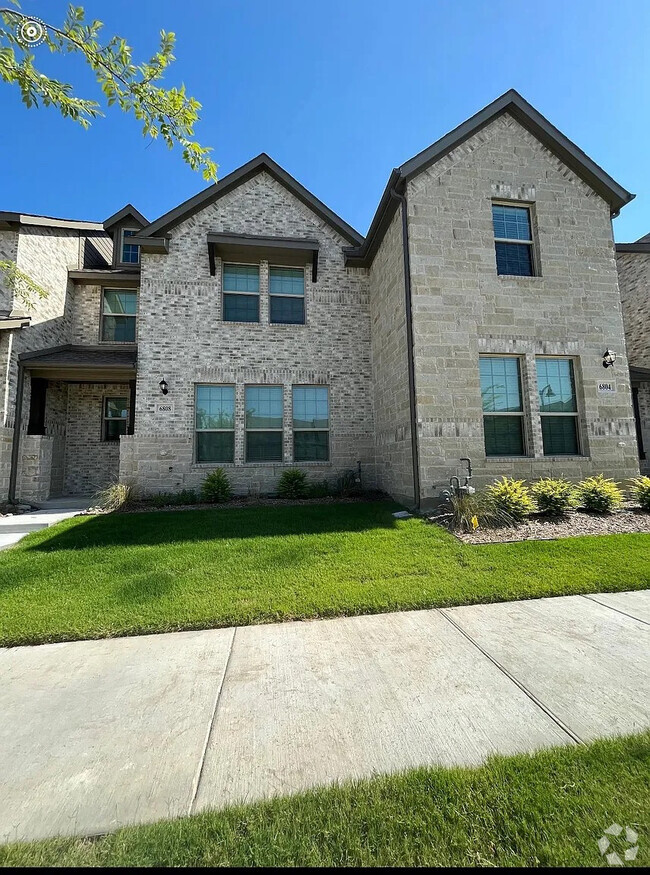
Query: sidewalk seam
[(592, 598), (514, 680), (199, 771)]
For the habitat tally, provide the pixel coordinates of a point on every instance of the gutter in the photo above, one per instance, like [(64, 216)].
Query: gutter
[(415, 451)]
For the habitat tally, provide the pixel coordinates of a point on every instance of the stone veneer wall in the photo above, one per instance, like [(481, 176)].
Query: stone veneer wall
[(183, 339), (390, 366), (634, 283), (462, 308)]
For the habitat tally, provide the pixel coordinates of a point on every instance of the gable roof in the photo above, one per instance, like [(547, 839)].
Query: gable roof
[(263, 162), (513, 104), (127, 212)]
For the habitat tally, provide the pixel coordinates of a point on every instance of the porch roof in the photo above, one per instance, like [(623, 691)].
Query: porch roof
[(82, 363)]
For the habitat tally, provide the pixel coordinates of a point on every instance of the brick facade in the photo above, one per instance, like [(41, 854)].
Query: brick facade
[(461, 307), (355, 336)]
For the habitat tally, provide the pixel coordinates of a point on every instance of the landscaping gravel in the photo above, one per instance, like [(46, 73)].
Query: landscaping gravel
[(539, 528)]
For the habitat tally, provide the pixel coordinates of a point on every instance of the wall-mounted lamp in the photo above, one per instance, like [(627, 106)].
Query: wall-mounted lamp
[(609, 358), (163, 386)]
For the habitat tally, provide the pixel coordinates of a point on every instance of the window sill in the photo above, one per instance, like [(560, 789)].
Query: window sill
[(201, 465), (514, 276)]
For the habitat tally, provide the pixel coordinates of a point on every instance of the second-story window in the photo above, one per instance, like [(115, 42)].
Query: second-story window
[(287, 295), (130, 254), (241, 293), (119, 308), (513, 240)]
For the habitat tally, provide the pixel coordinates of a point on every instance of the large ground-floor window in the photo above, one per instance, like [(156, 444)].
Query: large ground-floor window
[(311, 423), (558, 406), (215, 423), (264, 423), (503, 412)]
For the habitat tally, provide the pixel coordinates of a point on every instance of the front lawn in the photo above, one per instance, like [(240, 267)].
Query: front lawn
[(124, 574), (546, 809)]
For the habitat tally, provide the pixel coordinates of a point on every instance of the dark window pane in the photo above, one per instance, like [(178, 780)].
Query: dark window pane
[(264, 446), (310, 407), (215, 446), (556, 385), (560, 435), (500, 384), (113, 428), (130, 253), (310, 446), (514, 259), (286, 281), (118, 329), (241, 278), (263, 406), (241, 308), (120, 303), (503, 435), (215, 407), (511, 223), (116, 408), (287, 310)]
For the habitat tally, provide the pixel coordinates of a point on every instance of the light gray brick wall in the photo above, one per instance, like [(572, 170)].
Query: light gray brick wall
[(634, 283), (90, 462), (462, 308), (390, 366), (182, 338)]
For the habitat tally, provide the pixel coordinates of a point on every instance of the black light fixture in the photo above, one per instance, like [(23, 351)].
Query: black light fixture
[(163, 386), (609, 357)]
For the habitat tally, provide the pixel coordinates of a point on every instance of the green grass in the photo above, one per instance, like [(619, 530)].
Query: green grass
[(126, 574), (546, 809)]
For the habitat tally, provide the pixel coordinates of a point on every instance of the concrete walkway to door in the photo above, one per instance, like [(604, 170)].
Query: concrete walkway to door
[(14, 527), (99, 734)]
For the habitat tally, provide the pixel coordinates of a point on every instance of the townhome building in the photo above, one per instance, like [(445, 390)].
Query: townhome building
[(253, 329), (633, 260)]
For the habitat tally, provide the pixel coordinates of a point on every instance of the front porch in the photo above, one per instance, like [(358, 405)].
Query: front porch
[(77, 403)]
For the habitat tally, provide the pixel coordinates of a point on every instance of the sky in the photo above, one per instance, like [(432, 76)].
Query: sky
[(338, 92)]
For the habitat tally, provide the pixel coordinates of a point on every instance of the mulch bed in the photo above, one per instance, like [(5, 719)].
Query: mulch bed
[(240, 501), (575, 523)]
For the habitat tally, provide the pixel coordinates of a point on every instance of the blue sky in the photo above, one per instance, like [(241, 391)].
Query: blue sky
[(338, 92)]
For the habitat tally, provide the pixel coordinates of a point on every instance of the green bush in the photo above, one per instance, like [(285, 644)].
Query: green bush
[(640, 489), (348, 484), (553, 497), (599, 494), (511, 497), (216, 486), (175, 499), (292, 484), (318, 489), (469, 512)]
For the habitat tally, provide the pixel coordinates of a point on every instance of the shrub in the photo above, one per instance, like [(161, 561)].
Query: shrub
[(468, 509), (114, 496), (318, 489), (511, 497), (292, 484), (553, 497), (175, 499), (348, 484), (216, 486), (599, 495), (640, 489)]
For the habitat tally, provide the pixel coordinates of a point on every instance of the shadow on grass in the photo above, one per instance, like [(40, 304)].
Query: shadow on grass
[(173, 527)]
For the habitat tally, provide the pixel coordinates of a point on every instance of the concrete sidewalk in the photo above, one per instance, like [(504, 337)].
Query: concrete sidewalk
[(98, 734), (13, 528)]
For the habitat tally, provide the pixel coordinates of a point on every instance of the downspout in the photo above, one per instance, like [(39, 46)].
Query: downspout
[(415, 452), (15, 446)]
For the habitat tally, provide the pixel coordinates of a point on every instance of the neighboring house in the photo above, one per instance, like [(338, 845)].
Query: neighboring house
[(633, 261), (253, 329)]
